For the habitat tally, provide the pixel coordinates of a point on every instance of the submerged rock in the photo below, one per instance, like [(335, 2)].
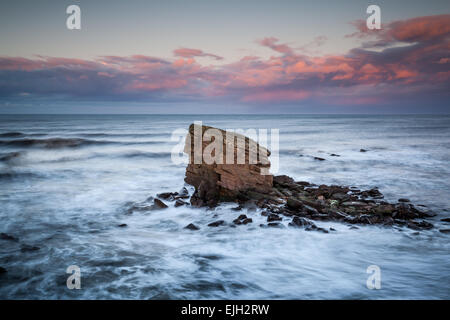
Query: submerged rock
[(192, 226), (3, 270), (216, 223), (5, 236)]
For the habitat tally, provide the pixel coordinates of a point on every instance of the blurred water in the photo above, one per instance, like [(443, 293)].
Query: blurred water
[(69, 201)]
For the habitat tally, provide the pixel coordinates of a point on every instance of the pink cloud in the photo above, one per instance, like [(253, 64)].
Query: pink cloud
[(270, 42), (288, 77), (192, 53)]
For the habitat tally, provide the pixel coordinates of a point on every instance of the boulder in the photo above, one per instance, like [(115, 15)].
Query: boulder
[(233, 164)]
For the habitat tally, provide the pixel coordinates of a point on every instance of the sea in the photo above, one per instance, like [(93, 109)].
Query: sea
[(67, 182)]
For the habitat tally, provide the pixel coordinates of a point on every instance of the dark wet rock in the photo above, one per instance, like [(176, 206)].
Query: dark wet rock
[(316, 228), (216, 223), (273, 217), (123, 225), (294, 204), (340, 196), (446, 219), (238, 208), (334, 155), (3, 270), (384, 209), (419, 225), (240, 219), (5, 236), (319, 159), (167, 195), (180, 203), (27, 248), (300, 222), (192, 226), (275, 225), (363, 150), (283, 180), (403, 200), (444, 230), (332, 229), (159, 204)]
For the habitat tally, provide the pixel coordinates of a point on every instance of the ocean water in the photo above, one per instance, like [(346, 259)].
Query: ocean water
[(67, 197)]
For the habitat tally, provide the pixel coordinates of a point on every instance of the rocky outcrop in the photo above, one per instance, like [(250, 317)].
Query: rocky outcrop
[(223, 164), (282, 196)]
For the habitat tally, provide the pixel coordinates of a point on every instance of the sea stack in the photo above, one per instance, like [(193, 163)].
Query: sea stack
[(222, 164)]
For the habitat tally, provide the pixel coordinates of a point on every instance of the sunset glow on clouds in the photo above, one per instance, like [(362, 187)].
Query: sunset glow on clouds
[(405, 59)]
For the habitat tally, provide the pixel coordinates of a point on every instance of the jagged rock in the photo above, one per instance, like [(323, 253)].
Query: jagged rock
[(180, 203), (225, 176), (192, 226), (159, 204), (273, 217)]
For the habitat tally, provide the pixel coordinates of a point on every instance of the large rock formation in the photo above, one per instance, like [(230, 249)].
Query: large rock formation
[(223, 164)]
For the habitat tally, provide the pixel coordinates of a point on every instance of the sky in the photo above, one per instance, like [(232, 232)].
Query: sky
[(217, 56)]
